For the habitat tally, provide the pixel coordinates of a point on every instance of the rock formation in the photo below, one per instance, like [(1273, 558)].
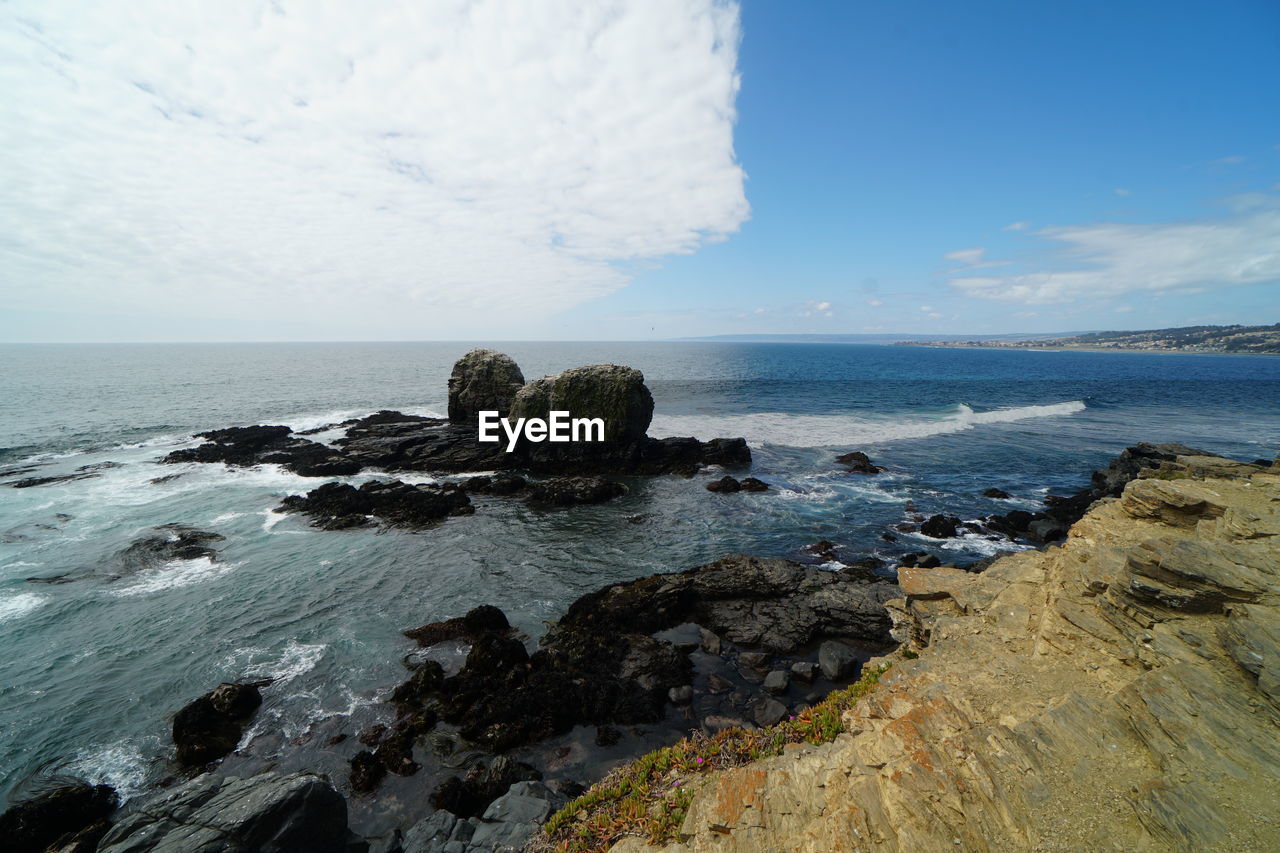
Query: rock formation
[(1117, 692), (482, 380), (611, 392), (210, 727)]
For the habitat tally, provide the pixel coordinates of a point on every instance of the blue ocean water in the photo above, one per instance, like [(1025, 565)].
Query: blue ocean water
[(92, 670)]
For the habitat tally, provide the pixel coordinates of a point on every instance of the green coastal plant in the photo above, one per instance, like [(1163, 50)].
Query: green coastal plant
[(651, 796)]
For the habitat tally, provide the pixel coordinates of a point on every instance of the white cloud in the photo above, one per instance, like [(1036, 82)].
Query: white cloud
[(442, 162), (1110, 260), (875, 303), (822, 306), (926, 308), (968, 257), (1121, 191), (1017, 226)]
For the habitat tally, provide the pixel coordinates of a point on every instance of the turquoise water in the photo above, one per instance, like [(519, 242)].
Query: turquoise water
[(93, 669)]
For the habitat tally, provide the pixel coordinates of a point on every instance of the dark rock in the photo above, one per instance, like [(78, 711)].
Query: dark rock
[(337, 739), (52, 819), (1111, 480), (825, 550), (804, 671), (395, 751), (999, 494), (681, 695), (724, 485), (257, 445), (479, 620), (1046, 530), (611, 392), (499, 484), (608, 735), (751, 484), (30, 482), (940, 526), (339, 506), (768, 711), (777, 681), (568, 491), (367, 772), (210, 727), (469, 796), (928, 561), (482, 380), (858, 463), (269, 812), (837, 660)]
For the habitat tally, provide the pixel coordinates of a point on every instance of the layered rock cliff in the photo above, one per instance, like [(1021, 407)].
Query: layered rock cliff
[(1118, 692)]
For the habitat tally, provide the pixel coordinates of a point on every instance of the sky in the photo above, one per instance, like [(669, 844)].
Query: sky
[(634, 169)]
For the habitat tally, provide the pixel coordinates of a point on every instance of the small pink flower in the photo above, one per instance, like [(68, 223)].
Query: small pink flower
[(699, 759)]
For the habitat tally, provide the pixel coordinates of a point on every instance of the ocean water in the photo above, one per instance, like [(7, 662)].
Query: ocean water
[(93, 669)]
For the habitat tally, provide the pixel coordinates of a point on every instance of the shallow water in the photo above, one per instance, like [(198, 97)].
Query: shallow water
[(94, 668)]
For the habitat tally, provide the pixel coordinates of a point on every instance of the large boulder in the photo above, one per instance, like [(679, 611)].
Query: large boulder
[(68, 816), (482, 380), (279, 812), (210, 727), (612, 392)]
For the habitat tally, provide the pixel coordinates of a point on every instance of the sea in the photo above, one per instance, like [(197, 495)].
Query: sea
[(92, 670)]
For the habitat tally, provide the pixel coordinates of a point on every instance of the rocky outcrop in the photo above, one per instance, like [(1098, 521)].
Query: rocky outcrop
[(482, 380), (1117, 692), (857, 462), (67, 818), (340, 506), (506, 823), (615, 394), (569, 491), (612, 659), (258, 445), (210, 727), (289, 813)]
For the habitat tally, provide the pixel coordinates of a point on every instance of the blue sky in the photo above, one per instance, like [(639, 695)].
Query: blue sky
[(638, 169)]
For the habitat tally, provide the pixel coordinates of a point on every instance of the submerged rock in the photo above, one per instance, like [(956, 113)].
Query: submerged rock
[(69, 817), (210, 727), (482, 380), (998, 494), (568, 491), (751, 484), (941, 527), (339, 506), (257, 445), (725, 485), (858, 463), (269, 812)]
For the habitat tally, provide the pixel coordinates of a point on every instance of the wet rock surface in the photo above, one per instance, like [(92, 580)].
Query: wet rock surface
[(340, 506), (210, 727), (568, 491), (858, 462), (257, 445), (212, 814), (66, 818)]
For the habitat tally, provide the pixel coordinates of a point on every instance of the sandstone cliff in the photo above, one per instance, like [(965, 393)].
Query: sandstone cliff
[(1120, 692)]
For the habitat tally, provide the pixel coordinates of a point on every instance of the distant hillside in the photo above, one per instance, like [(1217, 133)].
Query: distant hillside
[(877, 338), (1236, 339)]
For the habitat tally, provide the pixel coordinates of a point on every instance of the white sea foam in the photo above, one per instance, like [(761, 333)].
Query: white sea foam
[(19, 605), (120, 765), (789, 430), (227, 516), (296, 659), (173, 574)]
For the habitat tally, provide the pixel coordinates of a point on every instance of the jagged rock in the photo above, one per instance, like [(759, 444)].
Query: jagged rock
[(269, 812), (479, 620), (725, 485), (751, 484), (482, 380), (499, 484), (568, 491), (257, 445), (340, 506), (777, 681), (471, 795), (804, 671), (858, 463), (941, 526), (69, 817), (1116, 692), (998, 494), (31, 482), (600, 665), (210, 727)]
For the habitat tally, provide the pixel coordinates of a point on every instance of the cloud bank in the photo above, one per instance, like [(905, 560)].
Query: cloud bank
[(440, 162), (1112, 260)]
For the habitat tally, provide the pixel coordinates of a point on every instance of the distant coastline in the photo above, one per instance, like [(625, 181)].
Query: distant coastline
[(1223, 340)]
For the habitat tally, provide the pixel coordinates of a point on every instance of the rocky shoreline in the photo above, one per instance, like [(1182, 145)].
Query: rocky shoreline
[(740, 644)]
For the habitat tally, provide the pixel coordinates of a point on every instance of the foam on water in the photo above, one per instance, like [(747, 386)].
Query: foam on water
[(296, 659), (19, 605), (173, 574), (120, 765), (788, 430)]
